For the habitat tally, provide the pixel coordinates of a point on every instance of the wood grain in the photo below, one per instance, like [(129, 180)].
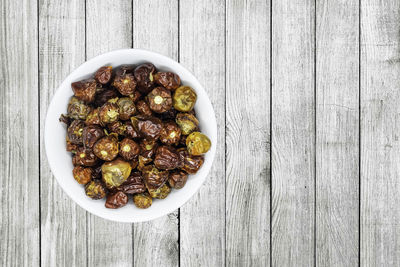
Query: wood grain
[(293, 133), (155, 27), (203, 53), (108, 27), (380, 127), (337, 123), (61, 50), (19, 157), (247, 133)]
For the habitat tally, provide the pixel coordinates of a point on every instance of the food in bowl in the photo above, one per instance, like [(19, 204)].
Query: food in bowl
[(133, 131)]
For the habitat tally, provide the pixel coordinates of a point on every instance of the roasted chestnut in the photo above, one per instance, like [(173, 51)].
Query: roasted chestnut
[(128, 149), (82, 175), (184, 99), (159, 100), (170, 133), (95, 190), (168, 80), (115, 172), (187, 122), (106, 148)]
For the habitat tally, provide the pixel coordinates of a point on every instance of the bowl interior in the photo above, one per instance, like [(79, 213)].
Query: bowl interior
[(60, 160)]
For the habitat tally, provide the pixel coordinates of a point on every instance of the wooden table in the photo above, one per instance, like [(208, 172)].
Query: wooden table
[(307, 100)]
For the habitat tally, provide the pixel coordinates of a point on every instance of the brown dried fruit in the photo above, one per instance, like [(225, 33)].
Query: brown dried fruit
[(159, 100), (177, 179), (75, 131), (170, 133), (126, 108), (93, 117), (85, 157), (106, 148), (125, 84), (142, 201), (144, 77), (95, 190), (109, 112), (85, 90), (116, 200), (129, 149), (91, 134), (169, 80), (103, 75), (133, 185), (154, 178), (191, 164), (143, 108), (82, 175), (167, 158)]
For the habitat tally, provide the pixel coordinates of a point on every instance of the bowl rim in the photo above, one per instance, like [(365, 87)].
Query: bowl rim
[(173, 65)]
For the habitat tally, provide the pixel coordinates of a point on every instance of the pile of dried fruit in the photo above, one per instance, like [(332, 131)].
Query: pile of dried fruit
[(133, 131)]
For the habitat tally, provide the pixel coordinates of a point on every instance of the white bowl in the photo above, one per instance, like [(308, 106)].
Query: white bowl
[(60, 160)]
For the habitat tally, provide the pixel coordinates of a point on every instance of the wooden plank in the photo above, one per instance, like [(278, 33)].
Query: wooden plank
[(248, 133), (293, 138), (109, 243), (155, 27), (380, 127), (337, 123), (61, 50), (19, 157), (203, 53)]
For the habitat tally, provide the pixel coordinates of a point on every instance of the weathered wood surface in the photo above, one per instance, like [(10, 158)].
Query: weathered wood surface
[(202, 219), (19, 148), (155, 27), (109, 243), (61, 50), (309, 86), (380, 128), (293, 133), (337, 124), (248, 133)]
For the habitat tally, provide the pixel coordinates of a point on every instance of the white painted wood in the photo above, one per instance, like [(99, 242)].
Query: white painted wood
[(337, 124), (61, 50), (293, 138), (155, 27), (247, 133), (380, 128), (108, 27), (19, 157), (202, 219)]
